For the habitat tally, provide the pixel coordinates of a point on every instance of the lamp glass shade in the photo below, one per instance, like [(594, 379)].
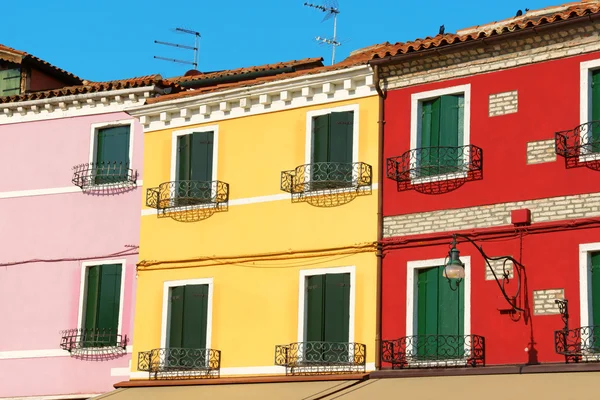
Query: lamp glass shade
[(454, 271)]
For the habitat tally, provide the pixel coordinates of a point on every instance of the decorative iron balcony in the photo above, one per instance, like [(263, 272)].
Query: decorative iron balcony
[(434, 351), (579, 146), (434, 170), (93, 343), (179, 363), (578, 345), (326, 178), (314, 358), (118, 175), (186, 194)]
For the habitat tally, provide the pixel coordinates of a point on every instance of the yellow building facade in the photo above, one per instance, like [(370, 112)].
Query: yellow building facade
[(248, 213)]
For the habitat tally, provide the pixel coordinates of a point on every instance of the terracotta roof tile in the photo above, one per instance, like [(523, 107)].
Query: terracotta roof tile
[(94, 87), (530, 19)]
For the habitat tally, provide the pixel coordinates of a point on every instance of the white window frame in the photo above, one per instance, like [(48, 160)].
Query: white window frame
[(355, 136), (585, 102), (188, 131), (302, 316), (95, 127), (585, 281), (416, 109), (411, 289), (85, 265), (165, 308)]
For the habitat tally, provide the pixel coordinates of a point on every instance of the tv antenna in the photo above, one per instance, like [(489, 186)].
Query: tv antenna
[(196, 47), (331, 9)]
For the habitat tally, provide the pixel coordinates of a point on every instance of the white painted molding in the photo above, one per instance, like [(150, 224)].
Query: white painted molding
[(43, 353), (47, 191), (585, 282), (182, 132), (57, 397)]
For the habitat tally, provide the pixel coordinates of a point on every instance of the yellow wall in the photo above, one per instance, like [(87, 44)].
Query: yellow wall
[(255, 303)]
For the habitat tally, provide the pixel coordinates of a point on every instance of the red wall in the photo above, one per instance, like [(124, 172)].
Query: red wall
[(548, 102), (40, 81)]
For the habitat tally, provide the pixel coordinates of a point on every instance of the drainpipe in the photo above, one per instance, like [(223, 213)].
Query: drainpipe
[(379, 254)]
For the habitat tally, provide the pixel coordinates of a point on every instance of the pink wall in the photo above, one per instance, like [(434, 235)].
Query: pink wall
[(39, 299)]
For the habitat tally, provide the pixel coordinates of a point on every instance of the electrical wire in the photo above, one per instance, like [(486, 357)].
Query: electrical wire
[(127, 252)]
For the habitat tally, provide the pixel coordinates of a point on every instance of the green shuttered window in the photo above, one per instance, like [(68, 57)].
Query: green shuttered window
[(595, 295), (112, 154), (195, 168), (327, 314), (10, 81), (332, 143), (102, 302), (188, 322), (440, 311), (442, 125), (595, 107)]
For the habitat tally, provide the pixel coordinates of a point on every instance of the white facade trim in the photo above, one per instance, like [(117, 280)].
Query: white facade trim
[(416, 109), (585, 282), (57, 397), (95, 127), (411, 290), (247, 200), (188, 131), (166, 311), (43, 353), (585, 104), (83, 288), (310, 129), (75, 105), (305, 273), (47, 192)]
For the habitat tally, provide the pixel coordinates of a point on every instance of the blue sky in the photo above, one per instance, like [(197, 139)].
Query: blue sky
[(114, 39)]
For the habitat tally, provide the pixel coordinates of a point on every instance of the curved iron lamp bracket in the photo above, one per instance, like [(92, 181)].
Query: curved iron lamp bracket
[(518, 271)]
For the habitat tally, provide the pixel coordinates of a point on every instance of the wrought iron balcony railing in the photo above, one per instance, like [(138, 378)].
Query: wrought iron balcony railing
[(579, 146), (326, 178), (578, 345), (180, 363), (93, 343), (186, 194), (434, 351), (106, 174), (435, 170), (313, 358)]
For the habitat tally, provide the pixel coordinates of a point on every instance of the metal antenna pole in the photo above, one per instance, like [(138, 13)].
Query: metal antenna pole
[(334, 38), (181, 46)]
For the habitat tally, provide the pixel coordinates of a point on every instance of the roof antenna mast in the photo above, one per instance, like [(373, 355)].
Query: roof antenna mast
[(331, 9), (196, 47)]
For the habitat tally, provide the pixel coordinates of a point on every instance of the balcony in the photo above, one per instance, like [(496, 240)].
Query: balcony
[(179, 363), (189, 201), (93, 344), (578, 345), (327, 184), (104, 178), (580, 146), (318, 358), (436, 170), (434, 351)]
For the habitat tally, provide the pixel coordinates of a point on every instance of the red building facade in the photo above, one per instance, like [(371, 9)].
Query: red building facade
[(471, 147)]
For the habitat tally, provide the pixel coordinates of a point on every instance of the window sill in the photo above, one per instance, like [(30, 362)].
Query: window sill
[(437, 178)]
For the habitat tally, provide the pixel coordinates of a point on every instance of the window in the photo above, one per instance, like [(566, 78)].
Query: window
[(589, 281), (332, 147), (440, 130), (590, 107), (187, 324), (327, 317), (102, 304), (10, 81), (440, 311), (595, 288), (112, 151), (194, 168)]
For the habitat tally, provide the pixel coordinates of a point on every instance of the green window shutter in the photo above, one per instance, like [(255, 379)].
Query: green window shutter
[(176, 310), (341, 130), (337, 308), (320, 139), (450, 307), (315, 290), (184, 150), (10, 82), (595, 106), (195, 314), (92, 292), (109, 299), (429, 137), (427, 301), (202, 156), (112, 154), (595, 295)]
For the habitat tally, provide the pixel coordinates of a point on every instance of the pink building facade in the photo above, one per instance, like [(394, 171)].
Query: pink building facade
[(70, 190)]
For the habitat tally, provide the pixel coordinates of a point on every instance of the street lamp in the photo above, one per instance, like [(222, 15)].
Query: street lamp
[(454, 270)]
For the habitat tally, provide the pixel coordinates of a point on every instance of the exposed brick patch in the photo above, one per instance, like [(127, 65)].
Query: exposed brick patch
[(498, 266), (503, 54), (503, 103), (541, 152), (544, 301), (542, 210)]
